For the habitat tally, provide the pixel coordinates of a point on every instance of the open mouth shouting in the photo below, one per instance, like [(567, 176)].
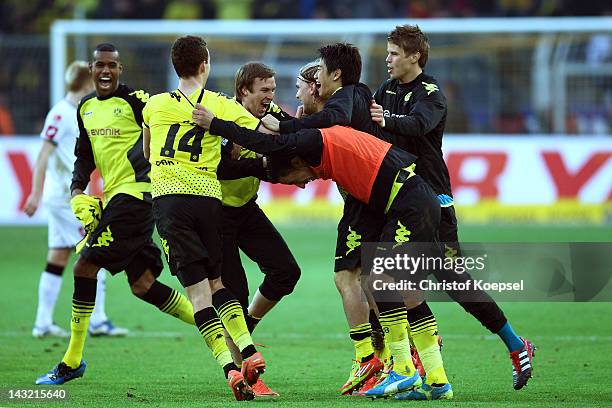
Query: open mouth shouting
[(105, 82)]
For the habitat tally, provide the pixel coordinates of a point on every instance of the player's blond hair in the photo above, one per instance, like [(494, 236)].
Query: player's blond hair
[(76, 76), (308, 72)]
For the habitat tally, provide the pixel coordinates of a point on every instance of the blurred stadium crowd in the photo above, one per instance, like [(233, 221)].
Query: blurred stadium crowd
[(496, 96), (19, 17)]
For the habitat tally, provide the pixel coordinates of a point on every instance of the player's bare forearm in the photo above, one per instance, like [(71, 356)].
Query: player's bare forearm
[(40, 169), (146, 142), (38, 180)]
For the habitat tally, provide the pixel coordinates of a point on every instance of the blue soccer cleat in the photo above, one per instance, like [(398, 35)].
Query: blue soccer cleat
[(427, 392), (61, 373), (107, 329), (393, 384)]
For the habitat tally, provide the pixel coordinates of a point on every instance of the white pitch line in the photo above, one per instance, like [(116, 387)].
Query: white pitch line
[(337, 336)]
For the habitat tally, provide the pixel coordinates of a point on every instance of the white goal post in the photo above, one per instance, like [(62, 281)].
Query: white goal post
[(545, 70)]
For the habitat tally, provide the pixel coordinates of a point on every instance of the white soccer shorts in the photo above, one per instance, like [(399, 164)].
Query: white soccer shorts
[(65, 231)]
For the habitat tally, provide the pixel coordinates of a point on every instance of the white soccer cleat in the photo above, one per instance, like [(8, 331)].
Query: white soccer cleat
[(52, 330), (107, 328)]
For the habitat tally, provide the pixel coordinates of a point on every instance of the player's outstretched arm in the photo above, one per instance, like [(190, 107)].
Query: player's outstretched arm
[(231, 169), (338, 110), (253, 140)]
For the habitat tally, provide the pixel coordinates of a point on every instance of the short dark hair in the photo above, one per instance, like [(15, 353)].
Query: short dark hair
[(188, 53), (344, 56), (105, 47), (280, 165), (246, 75), (411, 39)]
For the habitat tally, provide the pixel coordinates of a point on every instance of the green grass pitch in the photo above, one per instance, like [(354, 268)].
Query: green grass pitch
[(165, 363)]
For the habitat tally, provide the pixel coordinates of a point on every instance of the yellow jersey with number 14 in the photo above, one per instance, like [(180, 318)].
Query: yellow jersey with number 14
[(184, 157)]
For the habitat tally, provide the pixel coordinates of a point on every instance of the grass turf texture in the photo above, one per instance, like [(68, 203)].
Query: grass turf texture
[(165, 363)]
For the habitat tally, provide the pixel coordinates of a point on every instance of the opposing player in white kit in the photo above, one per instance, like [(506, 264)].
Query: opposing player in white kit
[(53, 170)]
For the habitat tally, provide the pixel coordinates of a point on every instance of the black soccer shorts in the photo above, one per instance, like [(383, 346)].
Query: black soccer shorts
[(190, 230), (414, 217), (122, 239), (358, 224)]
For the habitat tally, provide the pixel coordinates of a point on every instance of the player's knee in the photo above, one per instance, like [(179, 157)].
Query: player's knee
[(347, 280), (59, 256), (289, 278), (141, 286), (293, 275), (275, 286), (411, 304), (215, 285), (85, 269)]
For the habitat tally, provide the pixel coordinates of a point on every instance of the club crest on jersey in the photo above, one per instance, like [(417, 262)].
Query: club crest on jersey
[(118, 111), (430, 88)]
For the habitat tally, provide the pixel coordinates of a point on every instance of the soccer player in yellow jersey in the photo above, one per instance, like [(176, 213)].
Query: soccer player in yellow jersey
[(187, 205), (118, 235)]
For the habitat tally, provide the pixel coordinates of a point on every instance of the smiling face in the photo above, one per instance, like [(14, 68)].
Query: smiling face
[(106, 70), (329, 81), (258, 100)]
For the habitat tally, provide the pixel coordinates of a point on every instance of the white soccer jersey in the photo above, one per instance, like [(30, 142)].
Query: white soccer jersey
[(62, 130)]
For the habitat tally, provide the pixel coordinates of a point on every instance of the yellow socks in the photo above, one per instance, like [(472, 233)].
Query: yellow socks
[(232, 316), (394, 323), (178, 306), (424, 332), (362, 340), (211, 330), (83, 301)]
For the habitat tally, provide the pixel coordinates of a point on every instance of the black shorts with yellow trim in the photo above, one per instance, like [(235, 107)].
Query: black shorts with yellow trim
[(122, 240), (358, 224), (413, 217), (190, 230)]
